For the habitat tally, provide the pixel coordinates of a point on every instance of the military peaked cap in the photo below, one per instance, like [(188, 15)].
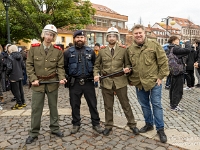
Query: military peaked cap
[(78, 32)]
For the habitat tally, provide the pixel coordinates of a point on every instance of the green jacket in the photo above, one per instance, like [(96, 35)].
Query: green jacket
[(106, 64), (149, 63), (40, 64)]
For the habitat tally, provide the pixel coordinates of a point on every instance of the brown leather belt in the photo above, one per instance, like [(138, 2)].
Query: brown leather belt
[(117, 75), (51, 76)]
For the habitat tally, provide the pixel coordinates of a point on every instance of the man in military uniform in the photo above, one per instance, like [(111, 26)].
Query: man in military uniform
[(111, 59), (45, 63), (150, 66), (78, 64)]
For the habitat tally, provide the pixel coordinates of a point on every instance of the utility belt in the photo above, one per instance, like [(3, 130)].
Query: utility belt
[(112, 76), (81, 81), (51, 76)]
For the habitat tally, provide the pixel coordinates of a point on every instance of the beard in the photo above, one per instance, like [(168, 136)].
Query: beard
[(79, 44), (112, 42)]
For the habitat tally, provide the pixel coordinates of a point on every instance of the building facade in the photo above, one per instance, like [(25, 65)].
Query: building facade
[(105, 18)]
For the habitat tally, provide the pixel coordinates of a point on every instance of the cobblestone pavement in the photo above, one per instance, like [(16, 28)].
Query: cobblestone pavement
[(182, 128)]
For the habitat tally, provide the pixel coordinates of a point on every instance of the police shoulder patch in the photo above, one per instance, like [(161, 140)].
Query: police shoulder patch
[(103, 47), (57, 47), (123, 46), (35, 44)]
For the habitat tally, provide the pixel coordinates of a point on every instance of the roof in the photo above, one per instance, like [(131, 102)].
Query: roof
[(104, 8), (184, 22), (105, 12)]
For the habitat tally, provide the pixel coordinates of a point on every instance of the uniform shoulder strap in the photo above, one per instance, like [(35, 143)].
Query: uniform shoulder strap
[(57, 47), (35, 45), (103, 47), (123, 46)]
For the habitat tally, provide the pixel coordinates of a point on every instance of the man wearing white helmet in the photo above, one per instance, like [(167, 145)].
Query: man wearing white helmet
[(113, 58), (45, 63)]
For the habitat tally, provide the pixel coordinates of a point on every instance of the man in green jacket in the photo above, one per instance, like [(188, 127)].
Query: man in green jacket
[(45, 63), (111, 59), (150, 66)]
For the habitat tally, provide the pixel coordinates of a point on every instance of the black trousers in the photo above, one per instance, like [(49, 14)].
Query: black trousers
[(190, 78), (18, 92), (76, 92), (176, 90)]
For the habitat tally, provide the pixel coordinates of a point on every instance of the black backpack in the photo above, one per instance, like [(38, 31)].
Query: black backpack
[(175, 65)]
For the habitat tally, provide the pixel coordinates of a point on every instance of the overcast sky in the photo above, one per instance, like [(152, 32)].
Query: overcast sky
[(152, 11)]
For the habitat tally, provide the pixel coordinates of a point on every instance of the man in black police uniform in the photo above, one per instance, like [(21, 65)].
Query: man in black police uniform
[(78, 64)]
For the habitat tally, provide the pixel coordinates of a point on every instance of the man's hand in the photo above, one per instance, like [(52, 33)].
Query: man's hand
[(63, 81), (126, 70), (196, 65), (96, 78), (35, 83), (159, 82)]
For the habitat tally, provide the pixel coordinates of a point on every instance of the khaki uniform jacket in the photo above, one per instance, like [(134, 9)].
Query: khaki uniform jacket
[(149, 63), (40, 64), (106, 64)]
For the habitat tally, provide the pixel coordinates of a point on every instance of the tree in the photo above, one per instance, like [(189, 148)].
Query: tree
[(28, 17)]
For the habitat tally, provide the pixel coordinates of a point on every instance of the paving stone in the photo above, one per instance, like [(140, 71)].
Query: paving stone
[(68, 139), (15, 128), (4, 144)]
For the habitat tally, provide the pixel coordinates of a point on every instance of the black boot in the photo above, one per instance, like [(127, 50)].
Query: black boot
[(147, 127), (30, 139), (162, 135)]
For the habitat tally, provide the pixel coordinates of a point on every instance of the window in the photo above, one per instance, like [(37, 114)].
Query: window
[(63, 39), (105, 23), (183, 31), (99, 38), (120, 25), (113, 23), (98, 22)]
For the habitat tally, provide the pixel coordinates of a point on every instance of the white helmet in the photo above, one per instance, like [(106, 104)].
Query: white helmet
[(113, 30), (50, 28)]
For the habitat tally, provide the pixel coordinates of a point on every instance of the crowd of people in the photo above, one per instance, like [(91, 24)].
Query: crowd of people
[(144, 64), (12, 74)]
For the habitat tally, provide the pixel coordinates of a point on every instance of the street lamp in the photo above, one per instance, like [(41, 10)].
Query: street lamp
[(6, 4), (167, 24), (89, 36)]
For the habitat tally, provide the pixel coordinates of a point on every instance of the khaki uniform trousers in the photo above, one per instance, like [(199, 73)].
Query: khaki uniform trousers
[(108, 96), (37, 105)]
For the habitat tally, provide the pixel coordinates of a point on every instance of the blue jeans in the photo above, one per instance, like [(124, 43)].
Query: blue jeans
[(153, 96)]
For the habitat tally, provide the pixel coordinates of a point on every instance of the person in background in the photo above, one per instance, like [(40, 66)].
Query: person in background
[(96, 50), (168, 80), (176, 86), (197, 48), (14, 72), (190, 60), (150, 66), (4, 78), (2, 101), (24, 56)]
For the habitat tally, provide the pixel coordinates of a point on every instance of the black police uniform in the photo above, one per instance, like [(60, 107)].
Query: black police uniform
[(78, 64)]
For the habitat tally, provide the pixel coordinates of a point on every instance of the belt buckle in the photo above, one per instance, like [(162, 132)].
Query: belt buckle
[(81, 81)]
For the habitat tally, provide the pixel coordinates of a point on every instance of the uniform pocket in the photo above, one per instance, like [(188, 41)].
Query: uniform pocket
[(53, 62), (149, 58), (133, 59), (38, 60), (73, 69), (89, 66)]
